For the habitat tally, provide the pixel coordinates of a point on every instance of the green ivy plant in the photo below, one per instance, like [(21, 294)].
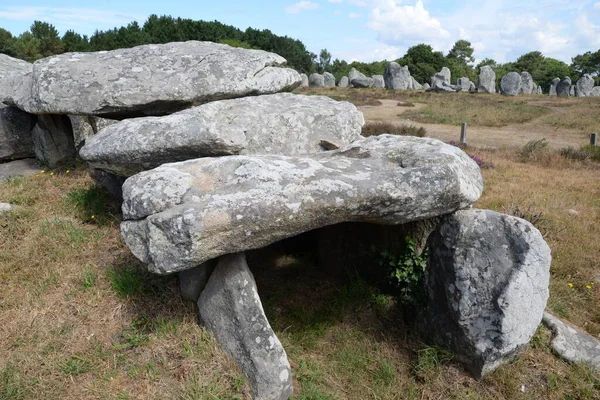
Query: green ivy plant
[(407, 271)]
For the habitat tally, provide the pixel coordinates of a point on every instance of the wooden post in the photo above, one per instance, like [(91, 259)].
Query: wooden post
[(463, 133), (594, 139)]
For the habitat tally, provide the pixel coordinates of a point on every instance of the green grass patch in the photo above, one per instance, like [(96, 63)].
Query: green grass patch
[(379, 128), (94, 204), (76, 365)]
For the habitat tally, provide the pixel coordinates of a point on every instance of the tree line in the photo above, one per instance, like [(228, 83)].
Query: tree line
[(43, 40)]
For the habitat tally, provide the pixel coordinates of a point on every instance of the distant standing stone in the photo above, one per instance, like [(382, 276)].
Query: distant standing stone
[(510, 84), (354, 74), (362, 82), (426, 86), (343, 82), (441, 78), (304, 78), (553, 86), (563, 88), (572, 91), (415, 85), (329, 79), (316, 80), (397, 77), (463, 84), (595, 91), (527, 84), (584, 85), (486, 83), (378, 81)]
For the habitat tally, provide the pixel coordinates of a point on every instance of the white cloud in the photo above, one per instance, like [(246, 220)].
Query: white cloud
[(301, 6), (335, 1), (66, 16), (354, 15)]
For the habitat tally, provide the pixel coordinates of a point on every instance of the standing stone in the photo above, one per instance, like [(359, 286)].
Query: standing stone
[(193, 281), (316, 80), (362, 82), (329, 79), (472, 87), (86, 126), (486, 83), (463, 84), (15, 133), (527, 84), (553, 86), (343, 82), (487, 283), (304, 82), (415, 85), (354, 74), (563, 88), (230, 307), (53, 140), (510, 84), (111, 182), (572, 91), (584, 85), (397, 77), (378, 81), (153, 79), (539, 90), (595, 92), (441, 78), (426, 86)]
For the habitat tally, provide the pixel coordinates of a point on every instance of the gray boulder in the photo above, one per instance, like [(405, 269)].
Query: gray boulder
[(486, 82), (5, 208), (463, 84), (563, 88), (441, 78), (378, 81), (426, 86), (354, 74), (343, 82), (397, 77), (15, 133), (85, 126), (281, 123), (14, 75), (13, 169), (193, 281), (595, 91), (487, 283), (111, 182), (362, 82), (472, 87), (329, 79), (180, 215), (573, 344), (527, 84), (153, 79), (316, 80), (304, 82), (415, 85), (553, 86), (539, 90), (230, 307), (510, 84), (53, 140), (572, 91)]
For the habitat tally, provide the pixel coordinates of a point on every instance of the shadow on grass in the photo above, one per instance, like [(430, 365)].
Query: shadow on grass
[(94, 204)]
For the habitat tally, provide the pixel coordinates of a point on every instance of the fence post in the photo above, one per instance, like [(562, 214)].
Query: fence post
[(594, 139), (463, 133)]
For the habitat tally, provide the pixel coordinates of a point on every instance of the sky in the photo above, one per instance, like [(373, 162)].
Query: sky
[(353, 30)]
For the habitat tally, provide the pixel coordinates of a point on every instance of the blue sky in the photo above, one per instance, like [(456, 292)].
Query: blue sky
[(364, 30)]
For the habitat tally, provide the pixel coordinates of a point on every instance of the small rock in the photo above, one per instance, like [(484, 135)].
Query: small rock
[(571, 343)]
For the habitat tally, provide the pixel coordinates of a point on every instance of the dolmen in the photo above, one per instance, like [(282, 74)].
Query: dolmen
[(213, 158)]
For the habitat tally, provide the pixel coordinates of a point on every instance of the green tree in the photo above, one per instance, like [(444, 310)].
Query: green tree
[(423, 62), (6, 42), (324, 61), (462, 52), (587, 63), (48, 38), (533, 62), (73, 41), (27, 47)]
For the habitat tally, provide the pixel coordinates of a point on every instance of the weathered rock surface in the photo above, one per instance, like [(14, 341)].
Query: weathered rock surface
[(182, 214), (441, 78), (85, 126), (13, 169), (53, 140), (415, 85), (572, 91), (573, 344), (15, 133), (563, 88), (362, 82), (193, 281), (378, 81), (13, 76), (539, 90), (111, 182), (328, 79), (6, 207), (316, 80), (343, 82), (487, 283), (510, 84), (426, 86), (354, 74), (153, 79), (397, 77), (595, 91), (281, 123), (527, 84), (463, 84), (472, 87), (486, 83), (230, 307), (553, 86), (304, 80)]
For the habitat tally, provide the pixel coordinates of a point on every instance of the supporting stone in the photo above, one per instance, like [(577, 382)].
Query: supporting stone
[(193, 281), (53, 140), (487, 284), (111, 182), (230, 307)]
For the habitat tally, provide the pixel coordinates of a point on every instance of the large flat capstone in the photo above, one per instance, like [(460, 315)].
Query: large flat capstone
[(179, 215), (281, 123), (13, 73), (153, 79)]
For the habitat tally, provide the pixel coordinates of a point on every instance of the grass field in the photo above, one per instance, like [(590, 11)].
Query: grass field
[(80, 318)]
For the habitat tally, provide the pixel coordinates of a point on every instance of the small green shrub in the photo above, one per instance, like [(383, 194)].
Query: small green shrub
[(585, 153), (533, 148), (378, 128), (429, 362), (407, 271), (76, 366)]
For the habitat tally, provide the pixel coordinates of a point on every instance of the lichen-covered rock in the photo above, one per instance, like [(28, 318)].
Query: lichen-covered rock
[(316, 80), (463, 84), (563, 88), (442, 77), (15, 133), (230, 307), (426, 86), (179, 215), (397, 77), (281, 123), (378, 81), (354, 74), (193, 281), (553, 86), (14, 75), (527, 84), (53, 140), (414, 84), (329, 79), (304, 80), (487, 284), (153, 79), (111, 182), (362, 82), (486, 83), (86, 126), (595, 92), (510, 84), (343, 82), (573, 344)]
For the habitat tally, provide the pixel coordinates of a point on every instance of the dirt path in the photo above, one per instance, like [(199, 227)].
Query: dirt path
[(481, 136)]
